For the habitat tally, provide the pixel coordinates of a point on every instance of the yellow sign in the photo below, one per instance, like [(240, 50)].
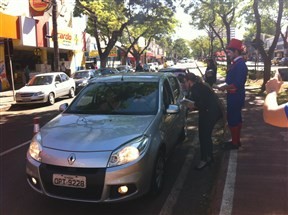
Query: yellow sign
[(93, 53), (113, 53)]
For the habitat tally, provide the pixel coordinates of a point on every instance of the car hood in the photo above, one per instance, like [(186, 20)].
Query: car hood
[(71, 132), (28, 89)]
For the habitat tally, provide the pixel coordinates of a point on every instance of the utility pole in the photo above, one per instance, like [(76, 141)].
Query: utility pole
[(55, 35)]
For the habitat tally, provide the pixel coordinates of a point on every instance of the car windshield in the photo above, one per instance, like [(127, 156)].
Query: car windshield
[(41, 80), (122, 98), (79, 75)]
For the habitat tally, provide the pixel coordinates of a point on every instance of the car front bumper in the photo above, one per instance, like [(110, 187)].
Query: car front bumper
[(102, 183)]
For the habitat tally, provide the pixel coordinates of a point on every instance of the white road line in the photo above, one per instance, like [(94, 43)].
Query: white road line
[(14, 148), (228, 193), (171, 200)]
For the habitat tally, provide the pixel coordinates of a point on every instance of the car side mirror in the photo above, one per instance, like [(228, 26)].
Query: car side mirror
[(173, 109), (63, 107), (57, 82)]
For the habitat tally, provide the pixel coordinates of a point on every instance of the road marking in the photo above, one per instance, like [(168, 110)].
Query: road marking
[(171, 200), (228, 193), (14, 148)]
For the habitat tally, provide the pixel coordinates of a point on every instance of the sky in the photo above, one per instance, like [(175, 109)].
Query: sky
[(187, 31)]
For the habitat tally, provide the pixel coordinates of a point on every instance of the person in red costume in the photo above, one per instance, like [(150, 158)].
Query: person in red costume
[(235, 87)]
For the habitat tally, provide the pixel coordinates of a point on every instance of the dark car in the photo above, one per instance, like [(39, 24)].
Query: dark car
[(175, 71), (124, 68), (275, 60), (82, 77), (283, 61), (106, 71)]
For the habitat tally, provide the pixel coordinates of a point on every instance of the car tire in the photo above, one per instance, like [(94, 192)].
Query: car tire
[(157, 180), (71, 92), (51, 99)]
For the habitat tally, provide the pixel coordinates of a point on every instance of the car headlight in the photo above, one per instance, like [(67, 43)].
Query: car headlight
[(39, 93), (35, 147), (129, 152)]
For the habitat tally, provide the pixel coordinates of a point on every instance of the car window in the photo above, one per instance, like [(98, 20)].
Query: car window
[(167, 94), (125, 98), (58, 78), (41, 80), (64, 77), (175, 87)]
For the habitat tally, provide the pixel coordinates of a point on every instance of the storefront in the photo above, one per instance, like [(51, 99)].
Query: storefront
[(8, 33)]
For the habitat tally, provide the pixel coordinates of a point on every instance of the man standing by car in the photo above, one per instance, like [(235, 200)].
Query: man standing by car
[(210, 111)]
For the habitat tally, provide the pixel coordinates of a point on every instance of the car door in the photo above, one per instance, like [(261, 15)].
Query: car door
[(59, 91), (169, 120), (65, 84)]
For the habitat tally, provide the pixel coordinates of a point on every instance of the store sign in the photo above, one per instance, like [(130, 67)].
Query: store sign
[(39, 5)]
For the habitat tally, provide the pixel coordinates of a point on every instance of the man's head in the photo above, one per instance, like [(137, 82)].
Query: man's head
[(234, 48), (190, 79)]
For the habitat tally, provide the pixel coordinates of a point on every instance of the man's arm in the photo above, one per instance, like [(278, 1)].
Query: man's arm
[(273, 113)]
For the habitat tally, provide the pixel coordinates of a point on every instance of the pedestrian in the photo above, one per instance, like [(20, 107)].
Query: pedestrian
[(235, 87), (273, 113), (63, 67), (27, 73), (210, 75), (210, 111)]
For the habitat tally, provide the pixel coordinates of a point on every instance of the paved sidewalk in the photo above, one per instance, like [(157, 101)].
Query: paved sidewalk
[(6, 100), (254, 179)]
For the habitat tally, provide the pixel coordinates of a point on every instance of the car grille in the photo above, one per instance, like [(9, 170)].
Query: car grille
[(94, 178), (26, 94)]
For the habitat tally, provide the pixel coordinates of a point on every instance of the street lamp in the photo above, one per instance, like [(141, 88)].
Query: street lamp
[(55, 34)]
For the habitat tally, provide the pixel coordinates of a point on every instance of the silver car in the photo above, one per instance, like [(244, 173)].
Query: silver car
[(46, 87), (111, 143)]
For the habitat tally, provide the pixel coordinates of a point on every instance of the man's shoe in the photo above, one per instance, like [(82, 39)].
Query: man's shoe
[(231, 146), (202, 165)]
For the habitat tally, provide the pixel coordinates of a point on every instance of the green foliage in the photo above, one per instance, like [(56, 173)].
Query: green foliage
[(181, 49)]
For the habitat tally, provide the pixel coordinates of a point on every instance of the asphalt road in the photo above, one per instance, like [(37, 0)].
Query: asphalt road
[(186, 191)]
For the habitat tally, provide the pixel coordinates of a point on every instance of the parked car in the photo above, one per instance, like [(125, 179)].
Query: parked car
[(111, 143), (275, 60), (106, 71), (124, 68), (46, 87), (175, 70), (283, 61), (82, 77), (152, 67)]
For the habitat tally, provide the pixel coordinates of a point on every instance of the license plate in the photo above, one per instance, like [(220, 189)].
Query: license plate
[(26, 99), (75, 181)]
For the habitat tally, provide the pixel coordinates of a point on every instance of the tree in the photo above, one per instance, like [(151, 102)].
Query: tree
[(180, 49), (267, 17), (109, 18), (155, 28), (213, 15)]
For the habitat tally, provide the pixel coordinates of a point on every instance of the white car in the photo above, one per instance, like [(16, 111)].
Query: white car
[(46, 87)]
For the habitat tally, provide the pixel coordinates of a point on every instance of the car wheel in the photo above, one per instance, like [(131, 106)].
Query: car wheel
[(71, 92), (158, 174), (51, 98)]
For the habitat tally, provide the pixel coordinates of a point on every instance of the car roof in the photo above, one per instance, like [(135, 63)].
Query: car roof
[(50, 73), (173, 69), (143, 76)]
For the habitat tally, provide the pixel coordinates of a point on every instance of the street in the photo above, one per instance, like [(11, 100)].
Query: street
[(17, 197)]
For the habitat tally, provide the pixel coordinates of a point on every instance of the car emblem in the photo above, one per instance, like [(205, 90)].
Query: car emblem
[(71, 159)]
